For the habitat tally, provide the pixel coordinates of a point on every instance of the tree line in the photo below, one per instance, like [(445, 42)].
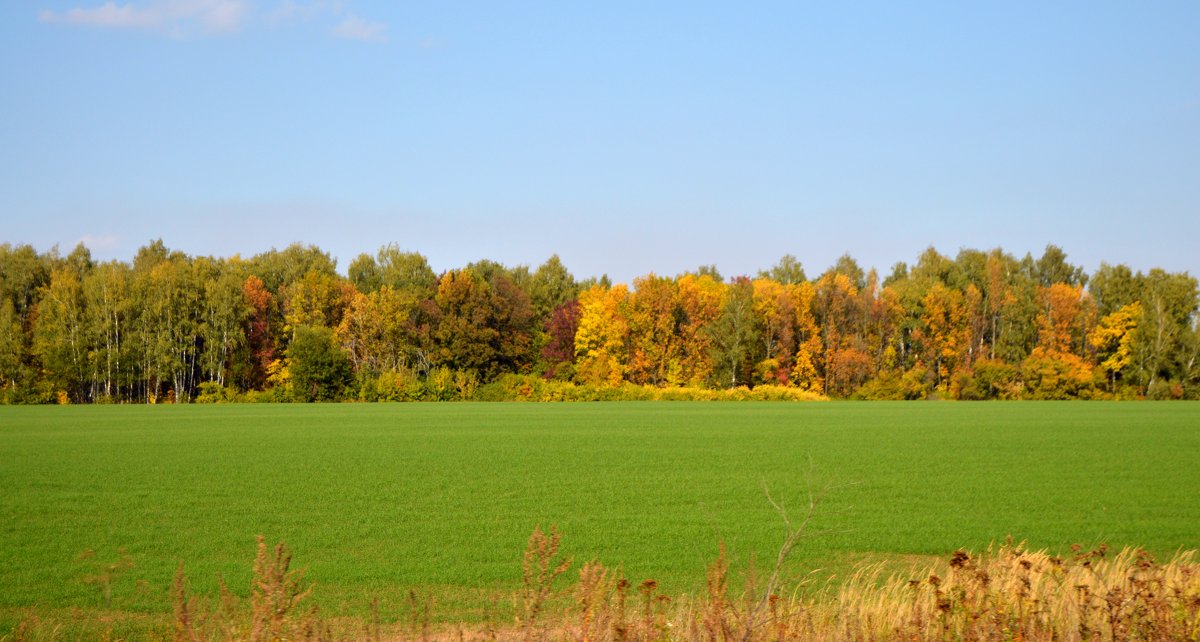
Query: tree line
[(286, 326)]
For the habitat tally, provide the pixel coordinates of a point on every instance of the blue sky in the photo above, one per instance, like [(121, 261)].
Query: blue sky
[(627, 137)]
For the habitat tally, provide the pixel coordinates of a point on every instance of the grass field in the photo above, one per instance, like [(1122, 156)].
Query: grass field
[(378, 499)]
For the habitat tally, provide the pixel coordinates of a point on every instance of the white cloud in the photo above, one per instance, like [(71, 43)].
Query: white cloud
[(173, 17), (96, 242), (292, 10), (181, 18), (355, 28)]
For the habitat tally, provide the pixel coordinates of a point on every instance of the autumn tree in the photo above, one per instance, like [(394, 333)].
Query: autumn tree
[(998, 298), (653, 341), (262, 310), (944, 334), (1059, 322), (981, 325), (559, 350), (1112, 338), (836, 308), (1189, 359), (407, 271), (805, 373), (317, 299), (699, 304), (600, 341), (882, 316), (1053, 370), (775, 315), (376, 332), (482, 327)]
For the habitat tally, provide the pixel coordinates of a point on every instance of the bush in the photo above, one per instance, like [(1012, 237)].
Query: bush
[(1057, 375), (512, 387), (442, 384), (989, 379), (213, 392), (1164, 390), (257, 396), (894, 385)]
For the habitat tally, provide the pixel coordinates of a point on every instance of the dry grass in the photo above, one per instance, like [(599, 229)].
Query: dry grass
[(1006, 593)]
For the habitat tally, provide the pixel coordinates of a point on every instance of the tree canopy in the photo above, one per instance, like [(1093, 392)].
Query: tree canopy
[(285, 325)]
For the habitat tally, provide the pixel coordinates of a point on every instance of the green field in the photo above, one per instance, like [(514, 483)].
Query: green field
[(378, 499)]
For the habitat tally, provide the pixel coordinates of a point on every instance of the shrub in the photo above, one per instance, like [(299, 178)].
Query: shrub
[(513, 387), (1164, 390), (989, 379), (213, 392), (894, 385), (1057, 375)]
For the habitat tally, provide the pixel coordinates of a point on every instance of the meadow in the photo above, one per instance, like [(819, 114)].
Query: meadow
[(102, 503)]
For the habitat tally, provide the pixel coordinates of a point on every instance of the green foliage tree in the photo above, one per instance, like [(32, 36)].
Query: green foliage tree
[(1053, 268), (23, 272), (364, 272), (1168, 302), (733, 335), (1113, 287), (318, 368), (550, 286), (395, 268), (10, 350), (23, 275), (59, 341), (107, 311), (278, 268), (225, 311), (788, 271), (167, 298)]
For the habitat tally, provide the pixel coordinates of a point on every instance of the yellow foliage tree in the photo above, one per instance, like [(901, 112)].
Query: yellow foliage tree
[(700, 304), (944, 332), (1112, 339), (653, 339), (317, 300), (600, 340), (373, 332), (773, 309), (808, 340)]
